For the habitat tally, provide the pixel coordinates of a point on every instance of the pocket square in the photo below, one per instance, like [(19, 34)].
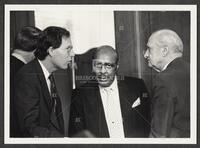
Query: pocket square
[(136, 103)]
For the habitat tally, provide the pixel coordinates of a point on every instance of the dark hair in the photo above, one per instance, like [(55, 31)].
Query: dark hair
[(26, 38), (50, 37)]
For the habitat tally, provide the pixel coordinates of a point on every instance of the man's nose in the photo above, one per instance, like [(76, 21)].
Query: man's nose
[(146, 54), (103, 69), (72, 54)]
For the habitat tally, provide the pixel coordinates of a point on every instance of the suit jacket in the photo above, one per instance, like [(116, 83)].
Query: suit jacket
[(15, 65), (33, 103), (87, 111), (171, 101)]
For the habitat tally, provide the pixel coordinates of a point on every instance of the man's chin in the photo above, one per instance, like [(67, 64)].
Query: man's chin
[(103, 83), (64, 66), (149, 64)]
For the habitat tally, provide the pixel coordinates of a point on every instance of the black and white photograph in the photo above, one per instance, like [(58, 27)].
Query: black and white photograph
[(100, 74)]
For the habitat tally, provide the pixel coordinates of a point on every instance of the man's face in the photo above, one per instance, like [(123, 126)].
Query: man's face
[(105, 67), (153, 54), (61, 56)]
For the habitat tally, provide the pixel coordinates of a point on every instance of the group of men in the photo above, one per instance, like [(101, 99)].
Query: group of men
[(107, 106)]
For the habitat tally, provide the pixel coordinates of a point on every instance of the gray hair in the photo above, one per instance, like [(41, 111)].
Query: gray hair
[(169, 38)]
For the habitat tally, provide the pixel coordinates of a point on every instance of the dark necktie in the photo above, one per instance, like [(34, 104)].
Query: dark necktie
[(56, 104)]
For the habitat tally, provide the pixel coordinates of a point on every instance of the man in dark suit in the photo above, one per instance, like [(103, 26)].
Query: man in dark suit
[(109, 106), (41, 110), (24, 46), (171, 87)]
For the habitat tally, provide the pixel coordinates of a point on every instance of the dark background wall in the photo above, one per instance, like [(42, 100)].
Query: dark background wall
[(19, 19)]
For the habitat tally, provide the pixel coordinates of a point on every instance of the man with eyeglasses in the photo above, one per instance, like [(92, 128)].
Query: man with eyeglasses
[(110, 106)]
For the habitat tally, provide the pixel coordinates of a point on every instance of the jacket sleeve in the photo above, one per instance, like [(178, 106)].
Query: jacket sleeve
[(162, 109), (76, 122), (146, 110)]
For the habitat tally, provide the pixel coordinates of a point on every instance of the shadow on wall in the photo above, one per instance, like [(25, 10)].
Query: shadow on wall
[(83, 72)]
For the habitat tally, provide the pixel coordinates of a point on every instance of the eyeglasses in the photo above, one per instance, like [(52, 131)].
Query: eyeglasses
[(107, 66)]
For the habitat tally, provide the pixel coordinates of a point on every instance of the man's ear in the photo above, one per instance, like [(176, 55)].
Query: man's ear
[(50, 51), (165, 51)]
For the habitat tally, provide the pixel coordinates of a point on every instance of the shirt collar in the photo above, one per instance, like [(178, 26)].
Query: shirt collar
[(165, 66), (19, 57), (45, 71)]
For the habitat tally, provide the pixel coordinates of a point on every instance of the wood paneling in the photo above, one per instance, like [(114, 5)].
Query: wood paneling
[(125, 42)]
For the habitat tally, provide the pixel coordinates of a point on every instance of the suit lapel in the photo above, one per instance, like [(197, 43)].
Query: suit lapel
[(43, 83), (127, 97), (103, 127), (46, 93), (99, 114), (64, 90)]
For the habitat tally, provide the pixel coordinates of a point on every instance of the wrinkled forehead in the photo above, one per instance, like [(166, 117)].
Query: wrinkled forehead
[(153, 40), (102, 61), (105, 57)]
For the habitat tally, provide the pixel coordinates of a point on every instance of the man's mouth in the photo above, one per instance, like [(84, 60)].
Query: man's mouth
[(148, 60), (69, 63), (102, 78)]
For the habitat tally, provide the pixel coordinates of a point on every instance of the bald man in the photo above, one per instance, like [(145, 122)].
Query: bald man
[(171, 87), (110, 106)]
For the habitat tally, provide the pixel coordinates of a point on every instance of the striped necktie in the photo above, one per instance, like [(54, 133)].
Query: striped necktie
[(56, 104)]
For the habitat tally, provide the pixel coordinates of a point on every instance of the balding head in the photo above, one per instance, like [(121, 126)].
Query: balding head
[(163, 47), (108, 51), (168, 38)]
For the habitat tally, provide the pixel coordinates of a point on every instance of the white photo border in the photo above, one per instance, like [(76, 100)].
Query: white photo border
[(66, 140)]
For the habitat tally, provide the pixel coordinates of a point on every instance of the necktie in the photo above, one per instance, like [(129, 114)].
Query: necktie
[(56, 104), (113, 114)]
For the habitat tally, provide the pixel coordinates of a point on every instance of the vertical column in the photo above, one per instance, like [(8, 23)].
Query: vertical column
[(138, 45)]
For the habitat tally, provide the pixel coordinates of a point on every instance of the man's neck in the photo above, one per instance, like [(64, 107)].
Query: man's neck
[(172, 58), (48, 65)]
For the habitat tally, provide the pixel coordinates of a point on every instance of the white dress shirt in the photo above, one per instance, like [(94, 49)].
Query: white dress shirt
[(19, 57), (46, 75), (165, 66), (112, 109)]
